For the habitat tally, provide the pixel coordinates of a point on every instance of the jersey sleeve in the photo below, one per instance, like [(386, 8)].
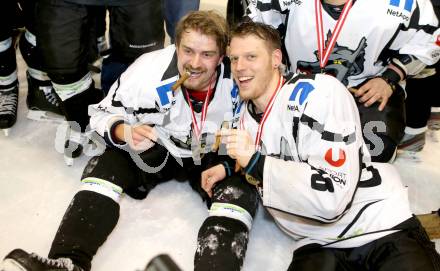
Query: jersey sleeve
[(421, 37), (271, 12), (132, 99), (322, 184)]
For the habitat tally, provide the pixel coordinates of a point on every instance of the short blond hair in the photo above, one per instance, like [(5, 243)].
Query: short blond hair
[(263, 31)]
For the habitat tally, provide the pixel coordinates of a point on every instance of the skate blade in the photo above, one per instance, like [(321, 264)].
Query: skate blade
[(68, 160), (11, 265), (45, 116), (410, 156)]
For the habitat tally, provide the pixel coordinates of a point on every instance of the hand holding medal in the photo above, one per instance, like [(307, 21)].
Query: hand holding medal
[(239, 146), (218, 139)]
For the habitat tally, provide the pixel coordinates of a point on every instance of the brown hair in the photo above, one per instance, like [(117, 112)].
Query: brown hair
[(209, 23), (262, 31)]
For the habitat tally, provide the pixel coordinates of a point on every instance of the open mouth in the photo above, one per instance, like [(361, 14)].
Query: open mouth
[(245, 79), (194, 74)]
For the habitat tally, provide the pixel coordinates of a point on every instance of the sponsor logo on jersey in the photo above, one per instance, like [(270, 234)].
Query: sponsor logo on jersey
[(336, 163), (164, 93), (287, 3), (304, 88), (408, 4), (338, 177), (293, 108), (398, 13)]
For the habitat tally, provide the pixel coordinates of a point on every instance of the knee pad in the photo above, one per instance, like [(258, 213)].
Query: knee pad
[(8, 65), (125, 175), (102, 187), (221, 244), (235, 198)]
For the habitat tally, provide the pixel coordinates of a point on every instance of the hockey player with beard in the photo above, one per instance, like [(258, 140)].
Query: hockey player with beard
[(370, 48), (299, 142), (154, 134)]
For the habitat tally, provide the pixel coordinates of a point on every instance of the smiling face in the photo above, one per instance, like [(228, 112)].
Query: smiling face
[(200, 55), (255, 67)]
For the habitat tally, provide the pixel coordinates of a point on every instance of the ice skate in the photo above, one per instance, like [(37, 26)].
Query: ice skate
[(20, 260), (8, 108), (434, 121), (43, 103), (411, 146)]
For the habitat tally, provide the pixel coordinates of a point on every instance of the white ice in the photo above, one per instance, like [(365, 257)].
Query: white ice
[(36, 188)]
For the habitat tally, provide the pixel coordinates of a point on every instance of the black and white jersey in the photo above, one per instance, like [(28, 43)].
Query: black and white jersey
[(371, 35), (318, 181), (143, 95)]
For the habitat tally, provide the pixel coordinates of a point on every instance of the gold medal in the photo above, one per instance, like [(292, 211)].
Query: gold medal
[(250, 179)]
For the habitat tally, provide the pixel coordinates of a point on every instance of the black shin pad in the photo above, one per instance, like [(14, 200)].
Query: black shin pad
[(89, 219)]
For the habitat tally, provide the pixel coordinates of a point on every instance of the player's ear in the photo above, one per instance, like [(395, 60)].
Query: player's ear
[(277, 57), (220, 60)]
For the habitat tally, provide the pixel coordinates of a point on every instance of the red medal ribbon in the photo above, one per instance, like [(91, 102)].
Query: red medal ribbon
[(265, 114), (324, 50), (198, 130)]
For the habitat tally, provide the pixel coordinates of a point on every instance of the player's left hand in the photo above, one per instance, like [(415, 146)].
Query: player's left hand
[(239, 145), (376, 89)]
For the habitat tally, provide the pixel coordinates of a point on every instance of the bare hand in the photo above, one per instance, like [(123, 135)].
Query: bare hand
[(376, 89), (239, 145), (139, 137), (212, 176)]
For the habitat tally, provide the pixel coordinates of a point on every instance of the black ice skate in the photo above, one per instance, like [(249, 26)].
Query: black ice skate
[(8, 108), (43, 103), (20, 260)]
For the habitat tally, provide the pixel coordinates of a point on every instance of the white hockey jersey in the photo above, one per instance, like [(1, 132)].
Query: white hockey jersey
[(318, 181), (373, 32), (143, 95)]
